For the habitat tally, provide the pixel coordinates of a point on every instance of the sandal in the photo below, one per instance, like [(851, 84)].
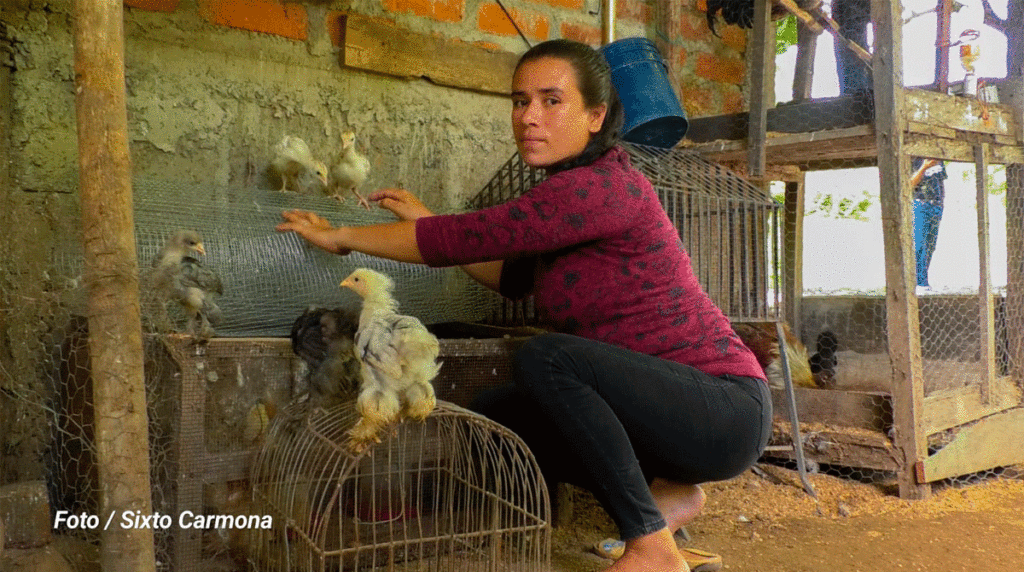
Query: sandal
[(698, 560)]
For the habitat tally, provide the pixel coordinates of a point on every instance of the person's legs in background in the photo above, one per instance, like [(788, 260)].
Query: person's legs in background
[(926, 233), (853, 17)]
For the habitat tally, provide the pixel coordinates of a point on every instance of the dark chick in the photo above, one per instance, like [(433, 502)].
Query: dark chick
[(178, 274), (323, 338)]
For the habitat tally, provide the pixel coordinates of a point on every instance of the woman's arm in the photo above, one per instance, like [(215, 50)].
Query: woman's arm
[(393, 240), (915, 179), (486, 273)]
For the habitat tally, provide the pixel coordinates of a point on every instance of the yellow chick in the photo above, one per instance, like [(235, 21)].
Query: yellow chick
[(398, 360), (350, 170), (293, 159)]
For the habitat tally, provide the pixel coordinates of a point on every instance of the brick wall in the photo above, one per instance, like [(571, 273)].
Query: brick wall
[(710, 72)]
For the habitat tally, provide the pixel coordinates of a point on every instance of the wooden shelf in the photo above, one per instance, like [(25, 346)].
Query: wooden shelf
[(840, 133)]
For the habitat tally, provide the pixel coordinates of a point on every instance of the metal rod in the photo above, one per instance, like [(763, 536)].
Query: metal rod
[(607, 21), (514, 25)]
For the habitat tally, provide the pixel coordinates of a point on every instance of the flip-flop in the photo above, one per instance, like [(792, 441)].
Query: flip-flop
[(698, 560)]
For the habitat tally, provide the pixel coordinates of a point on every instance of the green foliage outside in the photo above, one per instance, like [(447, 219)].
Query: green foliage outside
[(785, 34), (831, 206), (995, 182)]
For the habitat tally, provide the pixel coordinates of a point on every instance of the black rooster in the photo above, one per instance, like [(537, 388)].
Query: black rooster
[(738, 12)]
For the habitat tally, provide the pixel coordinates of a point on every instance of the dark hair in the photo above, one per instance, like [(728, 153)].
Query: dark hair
[(594, 79)]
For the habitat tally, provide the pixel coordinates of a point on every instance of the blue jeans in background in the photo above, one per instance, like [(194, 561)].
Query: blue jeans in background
[(610, 420), (926, 232)]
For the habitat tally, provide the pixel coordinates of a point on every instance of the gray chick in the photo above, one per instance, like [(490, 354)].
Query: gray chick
[(179, 275), (323, 338)]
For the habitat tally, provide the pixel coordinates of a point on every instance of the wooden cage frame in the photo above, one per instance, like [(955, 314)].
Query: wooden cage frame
[(905, 122)]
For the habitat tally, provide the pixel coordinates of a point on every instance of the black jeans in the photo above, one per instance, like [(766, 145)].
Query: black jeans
[(609, 419)]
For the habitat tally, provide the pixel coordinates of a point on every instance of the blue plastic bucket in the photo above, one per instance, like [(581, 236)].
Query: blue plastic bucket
[(653, 114)]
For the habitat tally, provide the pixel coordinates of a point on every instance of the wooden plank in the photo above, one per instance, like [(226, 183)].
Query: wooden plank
[(960, 113), (383, 47), (838, 447), (992, 442), (986, 305), (961, 149), (931, 130), (804, 117), (858, 409), (902, 323), (806, 20), (762, 45), (954, 407)]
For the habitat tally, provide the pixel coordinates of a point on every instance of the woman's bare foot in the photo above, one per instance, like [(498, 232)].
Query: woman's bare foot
[(655, 552), (678, 503)]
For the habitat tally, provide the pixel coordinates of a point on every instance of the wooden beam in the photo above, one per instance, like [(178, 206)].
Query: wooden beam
[(762, 96), (960, 149), (986, 305), (992, 442), (902, 322), (803, 76), (1015, 268), (839, 447), (793, 253), (382, 47), (111, 273)]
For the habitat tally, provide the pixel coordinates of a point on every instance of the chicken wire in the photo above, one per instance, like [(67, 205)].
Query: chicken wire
[(458, 492), (728, 226), (269, 277)]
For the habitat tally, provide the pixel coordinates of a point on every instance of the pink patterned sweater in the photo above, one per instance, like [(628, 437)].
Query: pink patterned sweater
[(602, 260)]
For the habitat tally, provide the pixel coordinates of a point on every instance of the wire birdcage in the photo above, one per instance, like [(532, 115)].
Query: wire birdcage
[(458, 492), (728, 225)]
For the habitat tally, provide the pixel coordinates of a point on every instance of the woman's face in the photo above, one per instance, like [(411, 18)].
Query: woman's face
[(549, 119)]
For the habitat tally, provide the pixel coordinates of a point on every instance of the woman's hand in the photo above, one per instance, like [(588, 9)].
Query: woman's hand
[(313, 228), (401, 202)]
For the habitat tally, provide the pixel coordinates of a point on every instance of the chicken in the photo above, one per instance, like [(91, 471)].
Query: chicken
[(824, 362), (293, 160), (178, 275), (398, 359), (761, 338), (257, 421), (350, 170), (739, 12), (325, 339)]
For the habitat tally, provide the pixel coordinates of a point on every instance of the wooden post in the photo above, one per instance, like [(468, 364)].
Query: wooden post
[(111, 276), (943, 12), (793, 254), (1015, 269), (986, 305), (803, 78), (902, 322), (762, 75)]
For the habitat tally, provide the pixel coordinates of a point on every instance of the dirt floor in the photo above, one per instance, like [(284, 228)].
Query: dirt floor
[(760, 525), (768, 523)]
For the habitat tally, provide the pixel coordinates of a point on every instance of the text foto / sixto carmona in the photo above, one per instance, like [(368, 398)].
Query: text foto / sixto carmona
[(131, 519)]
